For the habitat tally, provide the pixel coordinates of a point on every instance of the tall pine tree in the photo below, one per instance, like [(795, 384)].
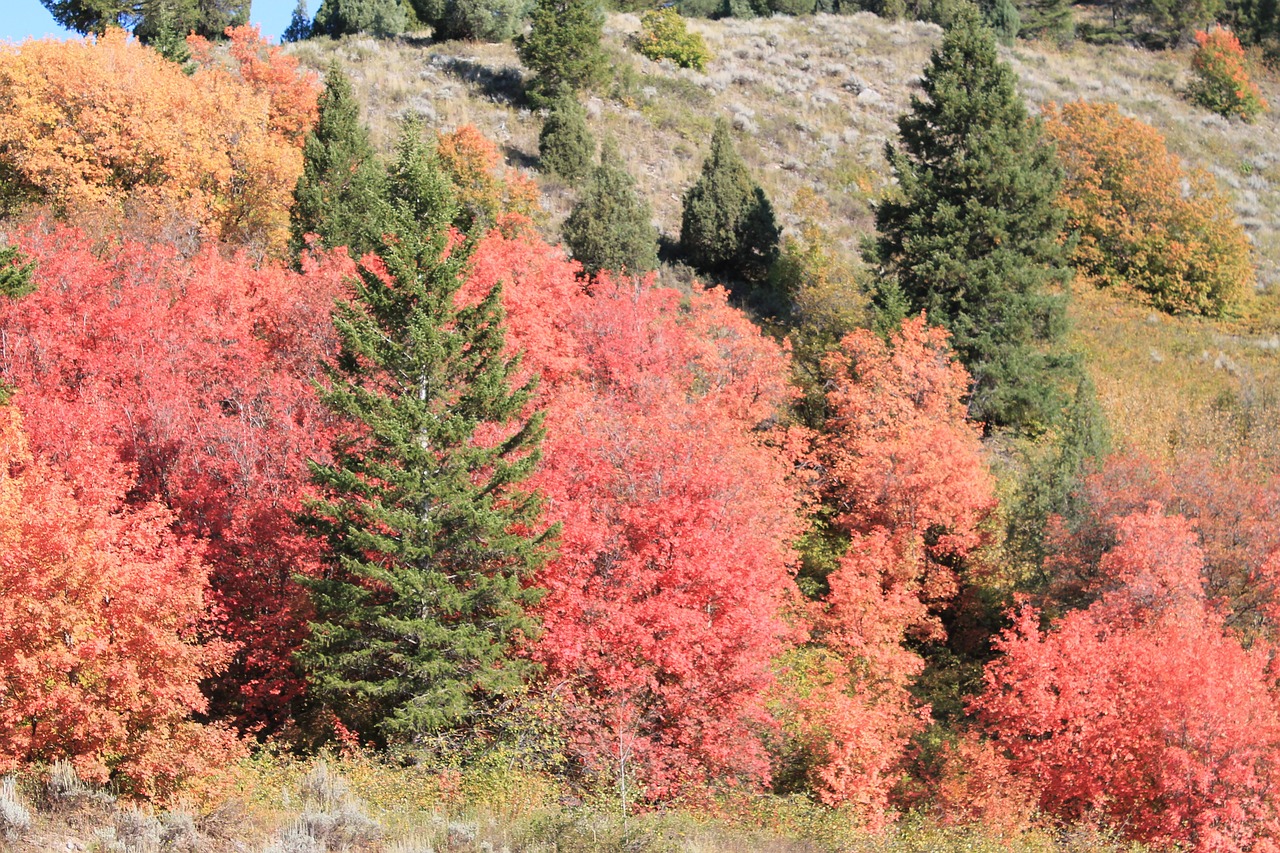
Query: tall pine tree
[(339, 194), (973, 236), (428, 535)]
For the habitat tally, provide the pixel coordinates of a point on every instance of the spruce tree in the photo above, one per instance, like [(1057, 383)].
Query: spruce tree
[(299, 28), (727, 227), (15, 274), (611, 226), (562, 48), (340, 191), (973, 236), (426, 530), (565, 146)]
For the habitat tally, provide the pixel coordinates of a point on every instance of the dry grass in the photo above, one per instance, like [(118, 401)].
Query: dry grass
[(815, 99)]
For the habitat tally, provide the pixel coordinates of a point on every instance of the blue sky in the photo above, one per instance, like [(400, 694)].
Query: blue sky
[(20, 19)]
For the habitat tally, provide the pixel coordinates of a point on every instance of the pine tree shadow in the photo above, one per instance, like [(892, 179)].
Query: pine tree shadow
[(502, 85), (515, 157)]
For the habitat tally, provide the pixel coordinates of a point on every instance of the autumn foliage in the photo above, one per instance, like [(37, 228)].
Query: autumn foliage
[(1140, 229), (1143, 709), (904, 473), (100, 621), (1222, 83), (108, 133), (196, 373), (676, 513)]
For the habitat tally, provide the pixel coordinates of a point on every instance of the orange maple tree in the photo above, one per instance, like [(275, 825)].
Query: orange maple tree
[(903, 470), (1139, 228), (107, 132)]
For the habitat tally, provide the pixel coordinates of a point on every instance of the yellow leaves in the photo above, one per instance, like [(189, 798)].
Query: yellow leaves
[(107, 131), (1145, 224)]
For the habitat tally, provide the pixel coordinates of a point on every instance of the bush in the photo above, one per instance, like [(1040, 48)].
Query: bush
[(1222, 84), (481, 20), (562, 48), (381, 18), (14, 816), (1144, 223), (663, 35), (727, 226), (565, 146), (611, 226)]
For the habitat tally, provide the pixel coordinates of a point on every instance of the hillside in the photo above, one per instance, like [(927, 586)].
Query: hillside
[(814, 100)]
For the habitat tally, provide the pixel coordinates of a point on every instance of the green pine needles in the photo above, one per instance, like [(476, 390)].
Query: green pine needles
[(611, 226), (973, 236), (340, 192), (430, 540), (727, 225)]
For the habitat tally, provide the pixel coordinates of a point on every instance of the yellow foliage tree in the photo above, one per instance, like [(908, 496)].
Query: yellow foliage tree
[(106, 132), (1145, 223)]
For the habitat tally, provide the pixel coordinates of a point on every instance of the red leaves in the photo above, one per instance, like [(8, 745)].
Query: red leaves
[(102, 603), (662, 611), (196, 374), (1142, 708)]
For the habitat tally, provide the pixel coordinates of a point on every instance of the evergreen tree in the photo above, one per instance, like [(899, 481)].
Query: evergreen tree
[(150, 19), (728, 227), (340, 191), (15, 275), (563, 47), (381, 18), (1052, 20), (299, 28), (426, 530), (973, 235), (565, 146), (480, 20), (611, 226)]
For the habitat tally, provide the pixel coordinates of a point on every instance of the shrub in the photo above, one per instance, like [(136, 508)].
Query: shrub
[(663, 35), (1144, 223), (381, 18), (481, 20), (565, 146), (14, 816), (727, 226), (611, 226), (1222, 84), (563, 47)]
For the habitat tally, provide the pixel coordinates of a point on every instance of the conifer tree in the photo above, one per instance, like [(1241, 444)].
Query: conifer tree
[(299, 28), (380, 18), (611, 226), (15, 274), (340, 191), (973, 236), (728, 227), (427, 532), (565, 146), (563, 47), (150, 19)]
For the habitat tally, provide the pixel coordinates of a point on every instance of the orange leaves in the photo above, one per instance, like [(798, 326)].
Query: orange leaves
[(1222, 83), (903, 469), (99, 617), (108, 131), (1138, 227), (488, 194)]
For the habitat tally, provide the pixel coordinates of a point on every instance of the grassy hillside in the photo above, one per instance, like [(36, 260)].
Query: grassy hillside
[(815, 99)]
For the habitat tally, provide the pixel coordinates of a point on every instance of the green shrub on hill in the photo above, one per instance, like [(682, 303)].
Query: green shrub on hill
[(566, 146), (611, 226), (663, 35)]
